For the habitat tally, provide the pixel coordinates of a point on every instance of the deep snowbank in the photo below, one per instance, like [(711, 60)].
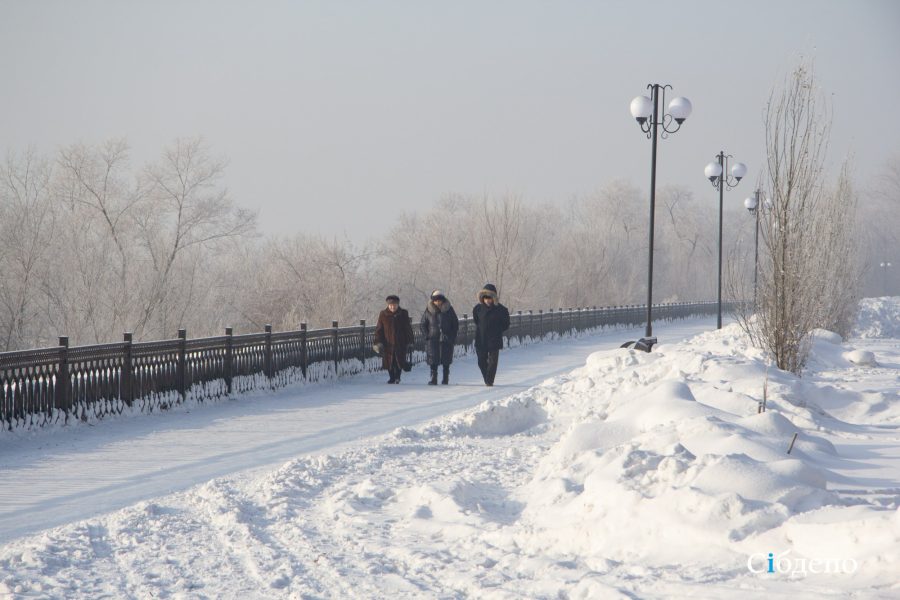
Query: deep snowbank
[(878, 318)]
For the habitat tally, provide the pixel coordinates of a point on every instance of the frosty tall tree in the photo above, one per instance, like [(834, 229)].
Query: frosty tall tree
[(807, 275)]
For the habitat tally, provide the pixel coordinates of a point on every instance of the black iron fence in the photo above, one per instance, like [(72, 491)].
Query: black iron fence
[(48, 385)]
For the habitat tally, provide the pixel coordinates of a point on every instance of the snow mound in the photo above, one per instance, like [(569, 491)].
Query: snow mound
[(878, 318), (827, 336), (503, 417), (827, 351), (862, 358)]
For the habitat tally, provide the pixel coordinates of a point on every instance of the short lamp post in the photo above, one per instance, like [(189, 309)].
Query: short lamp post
[(718, 174), (884, 267), (646, 112), (753, 205)]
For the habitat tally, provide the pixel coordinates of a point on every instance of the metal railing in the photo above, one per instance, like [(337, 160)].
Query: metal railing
[(47, 385)]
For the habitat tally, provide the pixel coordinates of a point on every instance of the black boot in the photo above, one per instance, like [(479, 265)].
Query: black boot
[(446, 378), (433, 376)]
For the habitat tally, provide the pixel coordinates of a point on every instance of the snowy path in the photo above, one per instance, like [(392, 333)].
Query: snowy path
[(48, 478)]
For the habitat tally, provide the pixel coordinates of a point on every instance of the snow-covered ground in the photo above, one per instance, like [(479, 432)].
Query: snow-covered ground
[(633, 475)]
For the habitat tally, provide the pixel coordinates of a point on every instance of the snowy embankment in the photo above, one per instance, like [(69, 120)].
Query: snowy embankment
[(637, 474)]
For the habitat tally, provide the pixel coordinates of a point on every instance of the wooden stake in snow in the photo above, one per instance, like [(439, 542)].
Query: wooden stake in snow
[(761, 405), (792, 442)]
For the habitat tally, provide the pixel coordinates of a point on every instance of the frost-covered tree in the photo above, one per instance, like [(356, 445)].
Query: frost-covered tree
[(27, 229), (90, 247), (186, 215), (808, 276)]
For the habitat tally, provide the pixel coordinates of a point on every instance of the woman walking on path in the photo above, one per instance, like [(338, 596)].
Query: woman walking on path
[(439, 326), (491, 320), (393, 334)]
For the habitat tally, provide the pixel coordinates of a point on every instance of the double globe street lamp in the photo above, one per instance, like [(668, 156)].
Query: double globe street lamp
[(755, 207), (718, 174), (645, 110), (884, 267)]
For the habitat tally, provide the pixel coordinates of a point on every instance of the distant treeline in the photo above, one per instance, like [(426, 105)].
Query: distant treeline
[(92, 246)]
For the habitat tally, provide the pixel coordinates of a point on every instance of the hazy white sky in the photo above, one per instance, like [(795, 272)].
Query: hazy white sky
[(336, 116)]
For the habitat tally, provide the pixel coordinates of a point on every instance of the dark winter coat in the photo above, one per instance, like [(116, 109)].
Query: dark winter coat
[(439, 328), (394, 332), (490, 323)]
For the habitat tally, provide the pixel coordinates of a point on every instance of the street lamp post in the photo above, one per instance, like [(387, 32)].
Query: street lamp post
[(884, 267), (718, 174), (753, 205), (645, 110)]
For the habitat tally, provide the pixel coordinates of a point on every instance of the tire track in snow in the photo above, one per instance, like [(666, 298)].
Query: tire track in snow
[(169, 551), (243, 527), (291, 494)]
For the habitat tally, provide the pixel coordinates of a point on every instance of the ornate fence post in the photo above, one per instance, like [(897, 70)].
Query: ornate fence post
[(334, 346), (362, 342), (531, 324), (267, 360), (126, 391), (519, 325), (228, 367), (181, 370), (304, 350), (63, 381)]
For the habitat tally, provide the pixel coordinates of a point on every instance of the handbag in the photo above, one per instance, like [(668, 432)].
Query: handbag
[(407, 366)]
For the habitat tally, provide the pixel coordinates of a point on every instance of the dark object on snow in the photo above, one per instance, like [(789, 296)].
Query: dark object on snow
[(645, 344)]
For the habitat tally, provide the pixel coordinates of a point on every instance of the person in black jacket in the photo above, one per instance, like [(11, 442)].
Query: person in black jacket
[(393, 334), (439, 326), (491, 320)]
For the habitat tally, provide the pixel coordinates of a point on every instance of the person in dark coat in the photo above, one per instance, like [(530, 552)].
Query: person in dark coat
[(439, 326), (491, 320), (393, 335)]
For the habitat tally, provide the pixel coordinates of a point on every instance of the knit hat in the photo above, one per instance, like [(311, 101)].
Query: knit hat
[(392, 299), (490, 290), (438, 295)]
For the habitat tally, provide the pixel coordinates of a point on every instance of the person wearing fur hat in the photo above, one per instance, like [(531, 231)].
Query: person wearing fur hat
[(393, 334), (491, 320), (439, 326)]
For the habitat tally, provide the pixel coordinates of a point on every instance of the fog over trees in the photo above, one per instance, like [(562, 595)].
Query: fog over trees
[(92, 246)]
